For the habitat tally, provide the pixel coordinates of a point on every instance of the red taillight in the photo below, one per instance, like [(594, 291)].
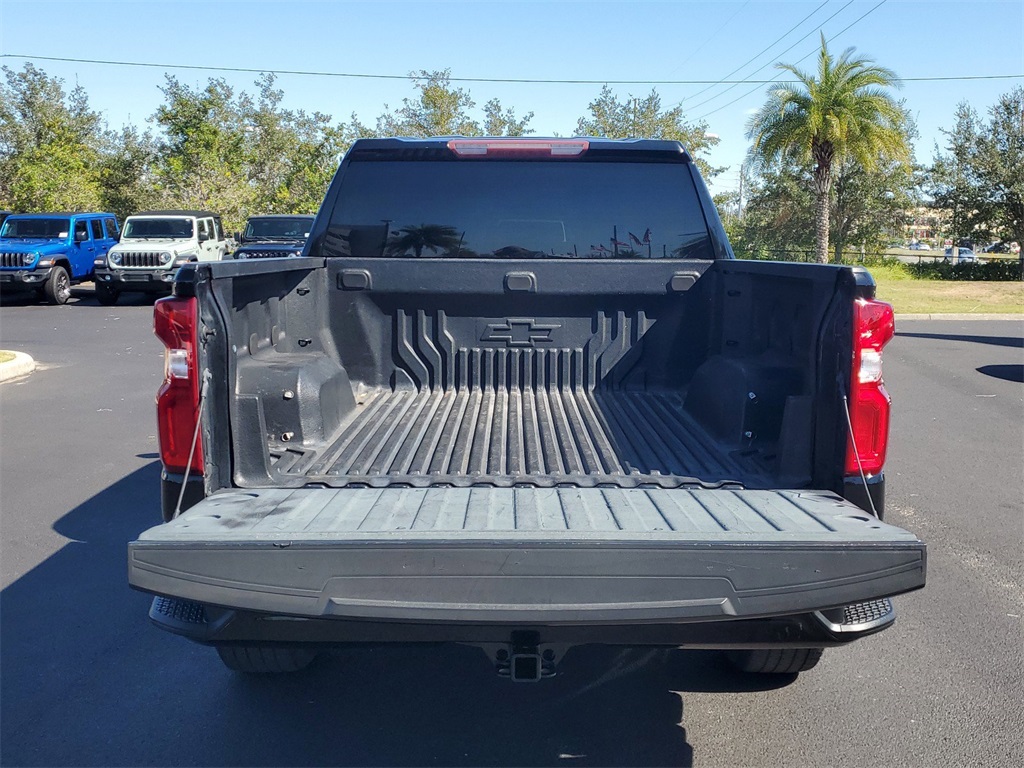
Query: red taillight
[(873, 327), (519, 147), (177, 402)]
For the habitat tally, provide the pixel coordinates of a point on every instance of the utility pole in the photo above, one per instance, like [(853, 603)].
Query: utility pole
[(740, 204)]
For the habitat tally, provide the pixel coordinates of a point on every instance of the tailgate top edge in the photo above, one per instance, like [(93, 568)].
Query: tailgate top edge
[(530, 515)]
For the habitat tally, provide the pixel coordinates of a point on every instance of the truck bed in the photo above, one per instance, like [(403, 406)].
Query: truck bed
[(549, 555), (384, 385), (505, 436)]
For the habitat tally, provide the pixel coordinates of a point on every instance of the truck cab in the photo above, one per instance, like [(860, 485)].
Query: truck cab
[(47, 253), (274, 236), (153, 245)]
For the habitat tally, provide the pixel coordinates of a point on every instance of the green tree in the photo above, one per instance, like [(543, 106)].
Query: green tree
[(202, 155), (50, 144), (636, 118), (1001, 163), (866, 209), (290, 155), (954, 183), (503, 122), (126, 175), (843, 112), (869, 207), (314, 160), (979, 179), (441, 109), (777, 219), (728, 205)]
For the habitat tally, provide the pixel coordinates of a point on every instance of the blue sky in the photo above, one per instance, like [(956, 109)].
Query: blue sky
[(538, 40)]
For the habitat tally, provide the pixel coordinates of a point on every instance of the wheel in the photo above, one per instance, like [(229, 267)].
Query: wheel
[(106, 295), (776, 661), (264, 660), (58, 286)]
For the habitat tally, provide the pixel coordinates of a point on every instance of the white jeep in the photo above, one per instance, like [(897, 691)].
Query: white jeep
[(152, 247)]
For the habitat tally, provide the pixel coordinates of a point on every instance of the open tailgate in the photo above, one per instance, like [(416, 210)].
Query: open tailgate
[(544, 555)]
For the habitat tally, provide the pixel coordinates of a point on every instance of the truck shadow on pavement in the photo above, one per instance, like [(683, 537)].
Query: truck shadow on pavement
[(1001, 341), (88, 681), (1013, 373)]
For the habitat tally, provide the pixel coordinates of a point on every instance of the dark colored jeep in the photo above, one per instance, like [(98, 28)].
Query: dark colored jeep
[(274, 236)]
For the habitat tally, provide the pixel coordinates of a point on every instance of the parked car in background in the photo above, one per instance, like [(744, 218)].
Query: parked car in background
[(919, 247), (963, 254), (274, 236), (154, 244), (997, 247), (48, 252)]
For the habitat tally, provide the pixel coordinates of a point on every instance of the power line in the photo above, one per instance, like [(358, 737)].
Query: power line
[(367, 75), (529, 81), (755, 56), (783, 53), (867, 13), (829, 40), (708, 39)]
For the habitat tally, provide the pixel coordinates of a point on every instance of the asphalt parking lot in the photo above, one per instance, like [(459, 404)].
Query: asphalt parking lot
[(85, 680)]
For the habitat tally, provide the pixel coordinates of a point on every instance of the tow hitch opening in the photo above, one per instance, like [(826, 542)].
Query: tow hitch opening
[(524, 660)]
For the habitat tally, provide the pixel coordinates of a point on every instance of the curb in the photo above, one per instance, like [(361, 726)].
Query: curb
[(962, 316), (21, 365)]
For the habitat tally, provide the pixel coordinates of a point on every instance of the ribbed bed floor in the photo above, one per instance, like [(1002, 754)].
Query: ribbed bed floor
[(512, 434)]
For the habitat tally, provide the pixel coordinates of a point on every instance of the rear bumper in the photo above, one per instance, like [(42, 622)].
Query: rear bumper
[(218, 626), (137, 280), (24, 279)]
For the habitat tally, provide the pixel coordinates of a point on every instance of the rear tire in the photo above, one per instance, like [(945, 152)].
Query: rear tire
[(776, 661), (106, 295), (264, 660), (58, 286)]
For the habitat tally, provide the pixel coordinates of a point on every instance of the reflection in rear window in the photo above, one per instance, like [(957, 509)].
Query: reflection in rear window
[(516, 209)]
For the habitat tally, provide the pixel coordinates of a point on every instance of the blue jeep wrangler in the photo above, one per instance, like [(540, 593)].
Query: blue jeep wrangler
[(47, 252)]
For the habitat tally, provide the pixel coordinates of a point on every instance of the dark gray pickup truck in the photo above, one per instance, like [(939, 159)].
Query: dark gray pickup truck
[(518, 394)]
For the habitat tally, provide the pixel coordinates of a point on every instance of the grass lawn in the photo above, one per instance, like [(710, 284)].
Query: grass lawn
[(910, 296), (6, 356)]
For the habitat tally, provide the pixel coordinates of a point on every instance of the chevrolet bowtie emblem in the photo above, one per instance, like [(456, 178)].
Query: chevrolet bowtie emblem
[(519, 332)]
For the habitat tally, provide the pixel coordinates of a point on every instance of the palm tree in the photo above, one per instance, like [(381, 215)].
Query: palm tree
[(433, 237), (843, 112)]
